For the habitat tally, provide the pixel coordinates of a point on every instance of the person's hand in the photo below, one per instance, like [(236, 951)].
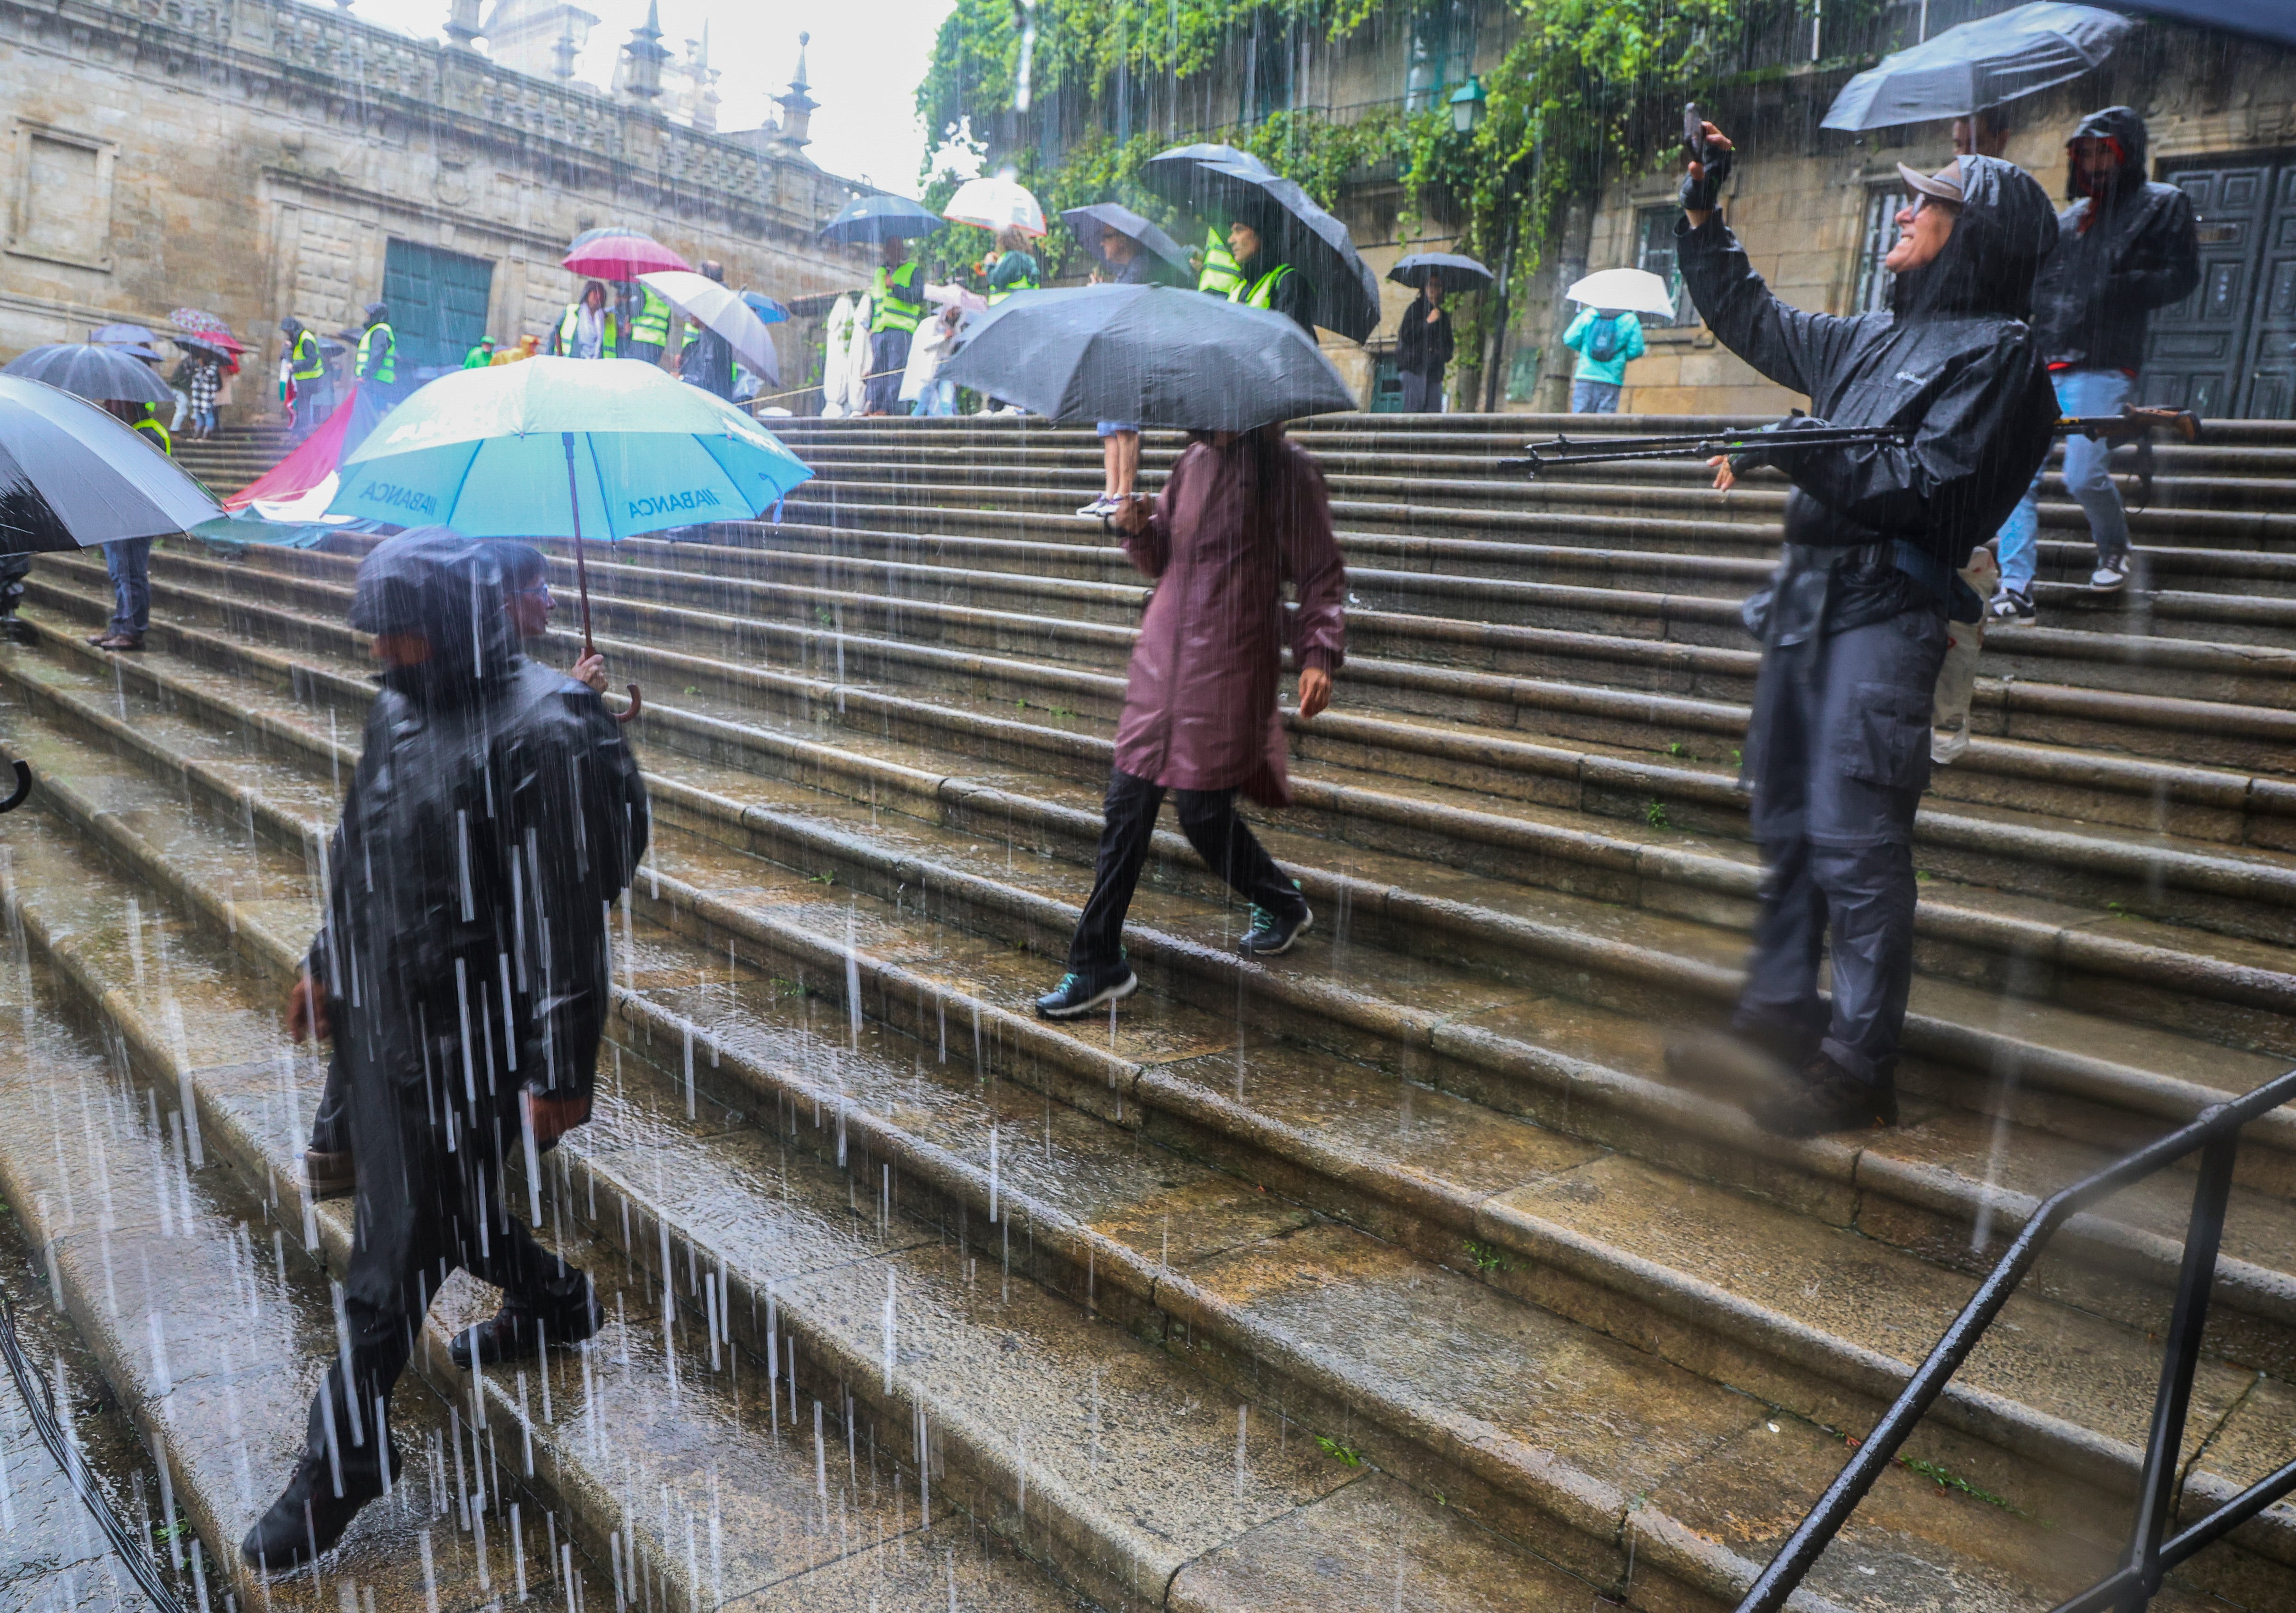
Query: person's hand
[(1315, 691), (591, 669), (1701, 189), (1726, 475), (551, 1119), (306, 1013), (1131, 516)]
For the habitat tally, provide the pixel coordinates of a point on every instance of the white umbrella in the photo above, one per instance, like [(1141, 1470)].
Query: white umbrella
[(972, 302), (699, 297), (996, 203), (1630, 291)]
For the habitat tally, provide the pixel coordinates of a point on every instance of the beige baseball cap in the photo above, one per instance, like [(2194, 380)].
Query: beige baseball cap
[(1944, 185)]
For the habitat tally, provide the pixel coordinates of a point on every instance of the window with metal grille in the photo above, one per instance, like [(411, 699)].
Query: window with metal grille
[(1879, 234), (1654, 254)]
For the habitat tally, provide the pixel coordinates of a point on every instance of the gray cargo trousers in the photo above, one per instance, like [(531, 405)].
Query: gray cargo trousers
[(1838, 755)]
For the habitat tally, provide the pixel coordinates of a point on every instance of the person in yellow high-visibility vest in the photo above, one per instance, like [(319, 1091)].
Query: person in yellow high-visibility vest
[(649, 324), (1218, 275), (314, 396), (377, 362), (1263, 282), (897, 291), (589, 328)]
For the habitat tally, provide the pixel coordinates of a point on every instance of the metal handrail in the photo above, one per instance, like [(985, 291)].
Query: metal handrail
[(2216, 1133)]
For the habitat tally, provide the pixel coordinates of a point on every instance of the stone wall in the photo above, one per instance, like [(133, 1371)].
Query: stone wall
[(254, 157)]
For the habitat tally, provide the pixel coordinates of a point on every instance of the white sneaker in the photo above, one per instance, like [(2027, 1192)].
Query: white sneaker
[(2111, 575), (1098, 507)]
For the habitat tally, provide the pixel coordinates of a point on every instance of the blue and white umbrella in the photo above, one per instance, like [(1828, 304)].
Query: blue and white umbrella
[(565, 447)]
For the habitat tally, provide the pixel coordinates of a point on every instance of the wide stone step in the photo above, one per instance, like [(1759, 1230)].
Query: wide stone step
[(1207, 1277)]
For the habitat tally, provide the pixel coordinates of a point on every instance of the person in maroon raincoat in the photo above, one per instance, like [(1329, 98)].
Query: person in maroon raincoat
[(1242, 514)]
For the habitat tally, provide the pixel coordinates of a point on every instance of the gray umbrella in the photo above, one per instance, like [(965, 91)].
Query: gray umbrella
[(1090, 224), (1980, 64), (867, 219), (1459, 274), (1157, 355), (71, 476), (1344, 292), (90, 370), (2269, 20)]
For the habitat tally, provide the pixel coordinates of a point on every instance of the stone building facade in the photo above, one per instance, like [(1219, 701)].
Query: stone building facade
[(257, 158)]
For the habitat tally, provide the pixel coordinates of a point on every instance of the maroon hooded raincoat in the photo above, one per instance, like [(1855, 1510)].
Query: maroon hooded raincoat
[(1232, 526)]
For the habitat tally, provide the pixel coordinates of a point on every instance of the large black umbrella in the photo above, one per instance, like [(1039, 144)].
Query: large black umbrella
[(2270, 19), (1091, 224), (1459, 274), (867, 219), (73, 476), (91, 369), (1157, 355), (1980, 64), (1292, 230)]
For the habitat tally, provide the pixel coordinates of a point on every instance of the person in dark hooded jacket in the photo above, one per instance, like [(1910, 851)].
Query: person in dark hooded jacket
[(2124, 247), (462, 972), (1854, 625)]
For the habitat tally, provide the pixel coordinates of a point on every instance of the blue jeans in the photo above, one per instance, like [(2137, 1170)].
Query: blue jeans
[(937, 397), (1593, 397), (129, 561), (2079, 392)]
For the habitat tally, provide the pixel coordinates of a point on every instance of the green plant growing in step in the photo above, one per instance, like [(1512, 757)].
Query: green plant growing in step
[(821, 879), (1347, 1455), (788, 989), (2118, 910), (1737, 757), (1488, 1257), (1061, 713), (694, 689), (1920, 876), (1676, 748), (1655, 811), (821, 614), (1946, 1478)]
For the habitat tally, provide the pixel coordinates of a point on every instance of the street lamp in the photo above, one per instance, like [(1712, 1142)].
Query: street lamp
[(1467, 106)]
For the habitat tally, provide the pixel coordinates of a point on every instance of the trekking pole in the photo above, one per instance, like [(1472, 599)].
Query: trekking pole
[(1562, 452)]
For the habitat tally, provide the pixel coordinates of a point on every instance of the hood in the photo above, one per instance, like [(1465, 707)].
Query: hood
[(441, 585), (376, 313), (2007, 227), (2116, 123), (290, 328)]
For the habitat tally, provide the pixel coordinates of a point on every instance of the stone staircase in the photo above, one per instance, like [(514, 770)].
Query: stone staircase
[(1393, 1272)]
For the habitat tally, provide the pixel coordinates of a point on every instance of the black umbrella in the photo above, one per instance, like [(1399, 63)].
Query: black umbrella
[(1292, 230), (2269, 20), (1979, 65), (73, 476), (1157, 355), (90, 370), (1459, 274), (880, 219), (1091, 224)]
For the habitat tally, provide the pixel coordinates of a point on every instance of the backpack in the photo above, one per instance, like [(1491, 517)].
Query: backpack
[(1603, 340)]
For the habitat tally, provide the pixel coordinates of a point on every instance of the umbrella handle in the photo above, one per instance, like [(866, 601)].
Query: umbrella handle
[(636, 705), (23, 787)]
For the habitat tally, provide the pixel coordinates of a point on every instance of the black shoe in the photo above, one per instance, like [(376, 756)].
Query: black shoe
[(1077, 995), (17, 631), (1271, 935), (1832, 1100), (515, 1335), (2011, 605), (309, 1518)]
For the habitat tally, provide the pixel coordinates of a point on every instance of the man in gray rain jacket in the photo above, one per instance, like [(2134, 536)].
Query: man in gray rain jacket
[(462, 971), (1853, 627)]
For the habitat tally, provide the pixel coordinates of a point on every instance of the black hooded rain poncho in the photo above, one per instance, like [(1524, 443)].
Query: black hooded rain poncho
[(494, 814), (2121, 254), (1854, 629)]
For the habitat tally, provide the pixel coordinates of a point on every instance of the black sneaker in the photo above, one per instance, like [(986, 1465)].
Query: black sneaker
[(2111, 576), (1832, 1100), (514, 1336), (1271, 937), (308, 1517), (1077, 995), (2011, 605)]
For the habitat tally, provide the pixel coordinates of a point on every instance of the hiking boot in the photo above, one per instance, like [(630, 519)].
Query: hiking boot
[(1077, 995), (2011, 605), (2111, 575), (1830, 1100), (514, 1336), (15, 630), (308, 1517), (1732, 1066), (328, 1176), (118, 640), (1270, 936)]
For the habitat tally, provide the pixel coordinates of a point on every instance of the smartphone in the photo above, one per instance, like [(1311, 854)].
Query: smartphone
[(1694, 132)]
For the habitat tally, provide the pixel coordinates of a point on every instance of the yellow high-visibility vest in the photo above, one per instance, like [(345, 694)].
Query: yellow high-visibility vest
[(386, 367), (899, 307), (1219, 276)]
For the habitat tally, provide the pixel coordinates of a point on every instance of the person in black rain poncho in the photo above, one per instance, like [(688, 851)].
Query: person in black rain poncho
[(1853, 627), (462, 971)]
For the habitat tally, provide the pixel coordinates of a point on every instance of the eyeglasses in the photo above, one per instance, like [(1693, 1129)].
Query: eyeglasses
[(1923, 198)]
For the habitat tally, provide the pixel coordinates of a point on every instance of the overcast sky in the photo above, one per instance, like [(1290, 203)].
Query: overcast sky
[(864, 63)]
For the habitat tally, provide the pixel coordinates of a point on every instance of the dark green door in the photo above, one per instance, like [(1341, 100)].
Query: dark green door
[(437, 302)]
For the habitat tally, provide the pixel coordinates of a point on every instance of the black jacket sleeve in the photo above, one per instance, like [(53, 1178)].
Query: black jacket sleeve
[(1789, 345), (2163, 264)]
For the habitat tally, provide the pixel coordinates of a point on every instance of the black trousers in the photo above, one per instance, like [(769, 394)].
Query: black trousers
[(1207, 818), (1838, 755), (463, 1222)]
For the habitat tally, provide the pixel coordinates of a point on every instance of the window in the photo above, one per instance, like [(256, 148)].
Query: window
[(1874, 241), (1441, 55), (1654, 254), (63, 198)]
